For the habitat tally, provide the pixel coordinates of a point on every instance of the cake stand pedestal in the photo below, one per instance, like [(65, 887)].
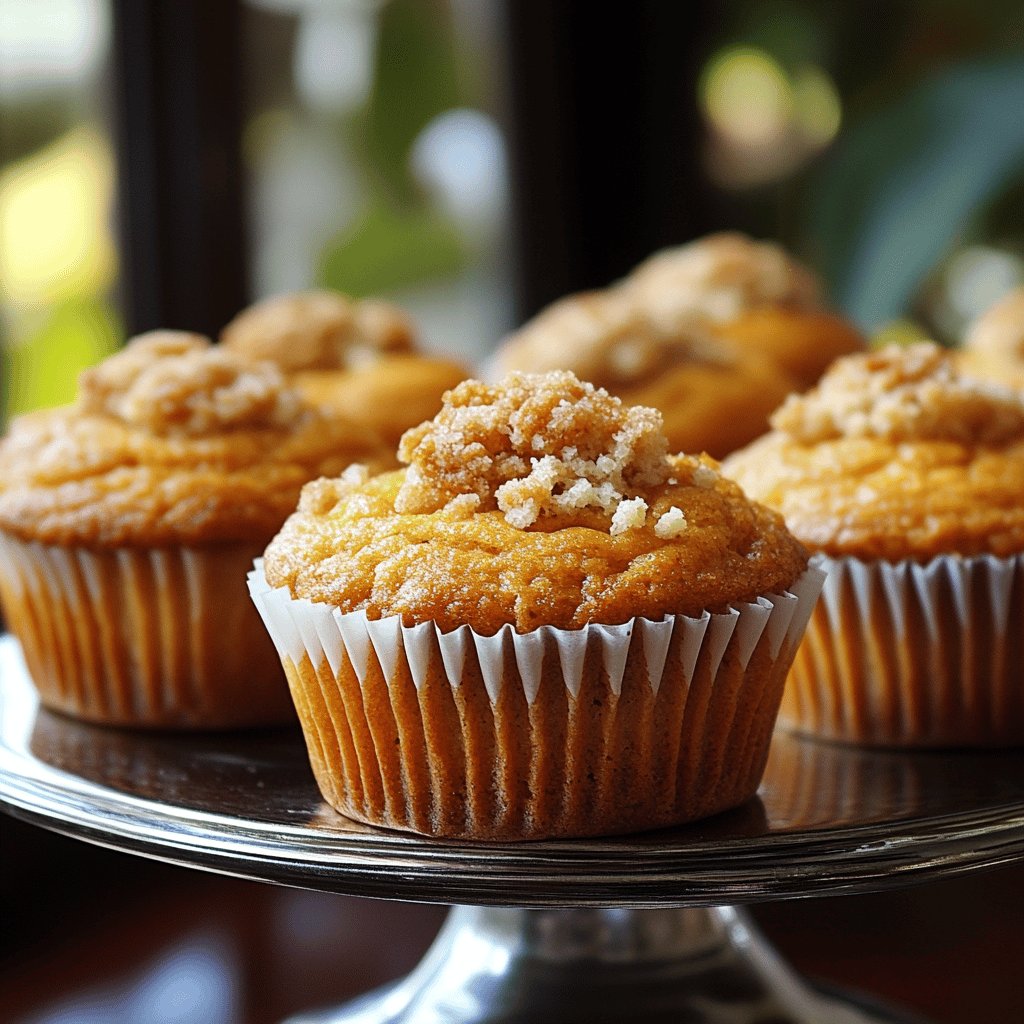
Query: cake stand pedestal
[(631, 929)]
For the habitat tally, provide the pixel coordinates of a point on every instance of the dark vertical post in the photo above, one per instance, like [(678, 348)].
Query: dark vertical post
[(177, 80), (605, 137)]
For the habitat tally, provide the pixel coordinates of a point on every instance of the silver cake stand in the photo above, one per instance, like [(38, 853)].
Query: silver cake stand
[(635, 929)]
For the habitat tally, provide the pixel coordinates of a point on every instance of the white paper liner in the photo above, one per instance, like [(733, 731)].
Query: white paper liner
[(301, 628), (605, 729), (909, 654), (157, 637)]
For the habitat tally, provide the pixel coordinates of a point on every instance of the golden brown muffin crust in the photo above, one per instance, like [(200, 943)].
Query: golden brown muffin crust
[(389, 395), (542, 501), (171, 442), (713, 397), (714, 333), (802, 342), (897, 456), (609, 339)]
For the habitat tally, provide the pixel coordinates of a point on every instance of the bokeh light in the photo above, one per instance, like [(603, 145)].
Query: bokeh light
[(764, 119), (55, 238), (746, 95)]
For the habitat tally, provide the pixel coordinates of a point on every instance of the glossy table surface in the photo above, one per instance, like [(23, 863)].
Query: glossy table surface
[(828, 819)]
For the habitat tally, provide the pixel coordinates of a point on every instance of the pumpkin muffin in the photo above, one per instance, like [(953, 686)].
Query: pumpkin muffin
[(751, 294), (545, 625), (714, 334), (356, 357), (128, 518), (994, 345), (908, 477), (713, 397)]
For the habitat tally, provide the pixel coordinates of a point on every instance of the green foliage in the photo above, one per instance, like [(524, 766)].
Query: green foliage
[(906, 184), (416, 78), (42, 369), (390, 249)]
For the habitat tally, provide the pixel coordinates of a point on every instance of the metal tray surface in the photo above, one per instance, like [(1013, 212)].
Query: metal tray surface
[(828, 819)]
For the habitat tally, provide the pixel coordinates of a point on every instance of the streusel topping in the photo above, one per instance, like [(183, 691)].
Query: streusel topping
[(539, 501), (176, 383), (319, 330), (901, 394), (999, 332), (536, 446), (721, 276), (607, 337), (171, 441)]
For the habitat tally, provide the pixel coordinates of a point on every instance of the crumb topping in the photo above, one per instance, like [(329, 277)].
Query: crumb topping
[(98, 386), (172, 441), (319, 330), (537, 446), (671, 523), (319, 496), (901, 394), (171, 383), (721, 276), (609, 338)]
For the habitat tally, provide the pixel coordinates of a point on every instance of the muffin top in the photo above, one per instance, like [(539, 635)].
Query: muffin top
[(319, 330), (538, 501), (170, 441), (719, 277), (665, 314), (895, 455), (608, 338)]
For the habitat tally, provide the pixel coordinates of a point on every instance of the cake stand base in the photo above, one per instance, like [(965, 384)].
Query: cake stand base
[(684, 966)]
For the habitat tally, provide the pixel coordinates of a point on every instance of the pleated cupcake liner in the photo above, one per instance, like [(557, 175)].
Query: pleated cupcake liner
[(913, 655), (152, 638), (604, 729)]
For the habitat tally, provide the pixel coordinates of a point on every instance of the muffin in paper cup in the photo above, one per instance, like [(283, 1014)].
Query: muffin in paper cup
[(360, 357), (907, 477), (471, 657), (914, 655), (128, 520), (714, 334)]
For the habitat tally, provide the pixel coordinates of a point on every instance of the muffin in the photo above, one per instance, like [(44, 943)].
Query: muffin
[(994, 346), (128, 519), (544, 626), (712, 396), (356, 357), (751, 294), (907, 477), (714, 334)]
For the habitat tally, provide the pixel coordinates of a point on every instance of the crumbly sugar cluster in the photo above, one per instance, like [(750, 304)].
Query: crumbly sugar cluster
[(903, 394), (610, 339), (666, 313), (541, 447), (319, 330), (719, 277), (174, 383)]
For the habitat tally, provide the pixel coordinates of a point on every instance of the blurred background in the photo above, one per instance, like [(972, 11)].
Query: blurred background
[(164, 162)]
